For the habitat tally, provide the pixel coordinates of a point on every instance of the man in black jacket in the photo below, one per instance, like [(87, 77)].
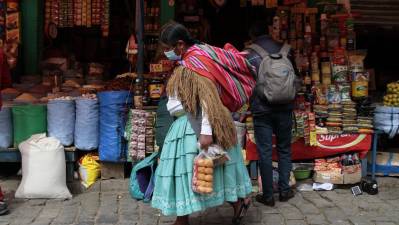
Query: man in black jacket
[(269, 119)]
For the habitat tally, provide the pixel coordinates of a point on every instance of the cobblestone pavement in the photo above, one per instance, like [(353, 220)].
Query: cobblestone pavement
[(112, 206)]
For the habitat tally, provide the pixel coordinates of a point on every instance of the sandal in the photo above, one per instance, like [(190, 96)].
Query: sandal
[(241, 212)]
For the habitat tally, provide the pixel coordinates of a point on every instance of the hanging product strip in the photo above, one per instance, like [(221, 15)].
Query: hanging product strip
[(78, 13), (9, 21)]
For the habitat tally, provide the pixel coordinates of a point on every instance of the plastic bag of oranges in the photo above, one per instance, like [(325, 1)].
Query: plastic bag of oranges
[(204, 165)]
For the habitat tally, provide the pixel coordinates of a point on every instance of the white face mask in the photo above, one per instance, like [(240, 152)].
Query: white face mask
[(171, 55)]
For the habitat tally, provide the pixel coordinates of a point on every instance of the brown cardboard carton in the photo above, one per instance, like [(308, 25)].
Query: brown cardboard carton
[(328, 177), (352, 174)]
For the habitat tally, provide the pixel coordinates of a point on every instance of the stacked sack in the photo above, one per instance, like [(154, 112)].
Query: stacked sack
[(61, 119), (74, 121), (86, 124)]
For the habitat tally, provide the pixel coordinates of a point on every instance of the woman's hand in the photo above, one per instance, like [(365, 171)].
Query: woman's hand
[(205, 141)]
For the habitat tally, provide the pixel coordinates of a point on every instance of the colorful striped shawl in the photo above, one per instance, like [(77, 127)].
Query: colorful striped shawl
[(227, 68)]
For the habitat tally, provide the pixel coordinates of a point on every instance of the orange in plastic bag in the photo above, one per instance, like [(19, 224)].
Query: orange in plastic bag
[(203, 174)]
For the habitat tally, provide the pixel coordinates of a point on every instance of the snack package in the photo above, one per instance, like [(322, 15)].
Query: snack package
[(334, 119), (333, 41), (339, 73), (333, 95), (350, 130), (334, 130), (360, 76), (12, 6), (320, 91), (339, 56), (356, 61), (345, 91), (204, 164), (366, 131), (321, 130)]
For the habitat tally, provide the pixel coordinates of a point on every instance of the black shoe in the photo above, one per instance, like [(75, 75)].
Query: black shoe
[(285, 196), (261, 199), (3, 208)]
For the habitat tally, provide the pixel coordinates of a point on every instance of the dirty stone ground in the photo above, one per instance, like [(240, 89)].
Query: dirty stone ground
[(108, 202)]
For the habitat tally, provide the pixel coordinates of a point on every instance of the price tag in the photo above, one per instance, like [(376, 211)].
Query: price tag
[(167, 65), (156, 68)]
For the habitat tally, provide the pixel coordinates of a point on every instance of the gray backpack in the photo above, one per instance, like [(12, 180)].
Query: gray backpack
[(276, 75)]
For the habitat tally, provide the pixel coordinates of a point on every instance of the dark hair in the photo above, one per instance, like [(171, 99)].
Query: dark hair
[(258, 28), (172, 32)]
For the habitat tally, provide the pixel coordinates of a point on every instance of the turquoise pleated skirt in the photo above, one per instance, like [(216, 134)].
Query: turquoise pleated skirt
[(173, 194)]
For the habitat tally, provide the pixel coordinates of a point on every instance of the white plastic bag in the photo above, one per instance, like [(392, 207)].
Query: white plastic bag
[(204, 165), (43, 169), (215, 152), (202, 181)]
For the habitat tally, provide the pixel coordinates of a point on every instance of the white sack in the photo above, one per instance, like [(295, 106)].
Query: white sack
[(43, 169)]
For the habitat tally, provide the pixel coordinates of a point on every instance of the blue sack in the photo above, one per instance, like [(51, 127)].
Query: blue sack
[(142, 178), (6, 131), (61, 120), (86, 124), (114, 107)]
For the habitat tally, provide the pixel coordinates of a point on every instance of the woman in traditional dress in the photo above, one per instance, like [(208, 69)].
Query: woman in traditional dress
[(200, 93)]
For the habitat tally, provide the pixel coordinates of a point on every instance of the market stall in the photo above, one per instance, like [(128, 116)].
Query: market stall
[(333, 113), (79, 98), (327, 145)]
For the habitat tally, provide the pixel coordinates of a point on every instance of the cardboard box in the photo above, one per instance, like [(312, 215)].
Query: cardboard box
[(348, 175), (328, 177), (352, 174)]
